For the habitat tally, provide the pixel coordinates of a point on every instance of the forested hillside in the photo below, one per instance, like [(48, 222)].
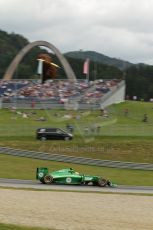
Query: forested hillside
[(139, 78), (99, 58), (11, 44)]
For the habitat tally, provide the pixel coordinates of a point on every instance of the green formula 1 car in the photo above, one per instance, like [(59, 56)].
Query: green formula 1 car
[(69, 176)]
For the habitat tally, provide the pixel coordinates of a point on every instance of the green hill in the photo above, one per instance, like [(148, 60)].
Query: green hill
[(11, 44), (99, 58)]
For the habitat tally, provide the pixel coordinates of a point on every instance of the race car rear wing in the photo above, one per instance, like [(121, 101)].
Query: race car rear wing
[(41, 172)]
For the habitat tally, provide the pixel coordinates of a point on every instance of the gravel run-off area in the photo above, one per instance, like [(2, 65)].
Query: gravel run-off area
[(76, 211)]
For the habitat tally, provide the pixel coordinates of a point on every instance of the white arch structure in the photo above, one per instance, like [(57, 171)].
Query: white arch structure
[(12, 67)]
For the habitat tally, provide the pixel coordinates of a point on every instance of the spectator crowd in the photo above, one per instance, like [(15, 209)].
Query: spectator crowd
[(59, 91)]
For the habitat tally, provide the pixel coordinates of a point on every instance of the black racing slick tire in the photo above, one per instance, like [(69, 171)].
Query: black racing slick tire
[(102, 182), (42, 180), (48, 179)]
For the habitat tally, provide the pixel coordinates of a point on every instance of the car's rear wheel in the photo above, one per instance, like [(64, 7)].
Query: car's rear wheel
[(42, 180), (102, 182), (48, 179), (43, 138), (67, 138)]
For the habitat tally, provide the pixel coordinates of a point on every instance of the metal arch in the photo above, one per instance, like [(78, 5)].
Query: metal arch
[(12, 67)]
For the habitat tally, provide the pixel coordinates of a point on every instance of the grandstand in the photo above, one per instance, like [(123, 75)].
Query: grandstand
[(61, 93), (8, 88)]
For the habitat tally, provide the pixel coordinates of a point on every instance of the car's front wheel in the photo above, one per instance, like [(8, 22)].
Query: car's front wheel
[(48, 179), (43, 138), (102, 182)]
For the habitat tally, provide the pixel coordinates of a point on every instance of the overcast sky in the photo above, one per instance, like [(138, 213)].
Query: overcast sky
[(116, 28)]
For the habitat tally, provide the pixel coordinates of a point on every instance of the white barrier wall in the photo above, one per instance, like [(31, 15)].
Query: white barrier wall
[(117, 95)]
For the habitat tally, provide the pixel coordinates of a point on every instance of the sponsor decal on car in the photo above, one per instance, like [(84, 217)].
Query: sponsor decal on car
[(68, 180), (41, 174)]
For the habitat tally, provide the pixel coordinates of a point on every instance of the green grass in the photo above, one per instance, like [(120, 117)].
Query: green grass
[(111, 148), (16, 227), (25, 168), (117, 124), (123, 138)]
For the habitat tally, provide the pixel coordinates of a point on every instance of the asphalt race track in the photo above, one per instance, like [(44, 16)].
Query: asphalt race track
[(30, 184)]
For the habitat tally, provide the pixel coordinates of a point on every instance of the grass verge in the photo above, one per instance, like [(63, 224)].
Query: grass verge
[(16, 227), (25, 168)]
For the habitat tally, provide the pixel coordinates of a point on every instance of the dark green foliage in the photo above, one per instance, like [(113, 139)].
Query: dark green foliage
[(139, 81), (10, 45), (96, 70), (99, 58)]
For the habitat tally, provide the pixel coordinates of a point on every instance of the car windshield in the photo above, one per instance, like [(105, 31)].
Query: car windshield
[(42, 130), (60, 131)]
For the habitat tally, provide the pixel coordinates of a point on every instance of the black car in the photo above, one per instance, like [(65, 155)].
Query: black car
[(53, 134)]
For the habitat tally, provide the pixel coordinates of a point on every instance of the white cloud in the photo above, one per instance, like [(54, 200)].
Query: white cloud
[(113, 27)]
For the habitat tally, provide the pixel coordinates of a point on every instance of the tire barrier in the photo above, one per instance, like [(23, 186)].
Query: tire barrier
[(75, 160)]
